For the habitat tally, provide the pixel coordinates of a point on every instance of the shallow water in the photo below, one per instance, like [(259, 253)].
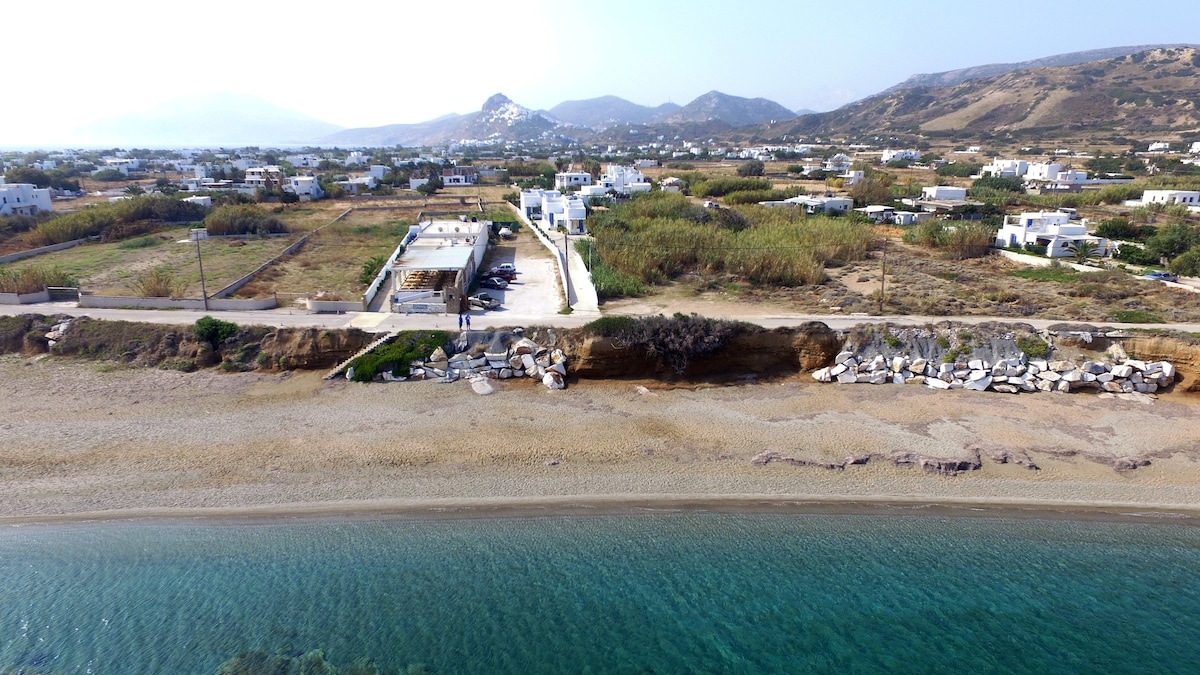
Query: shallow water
[(678, 592)]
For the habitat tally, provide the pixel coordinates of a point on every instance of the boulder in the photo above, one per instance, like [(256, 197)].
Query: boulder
[(1040, 364), (916, 379), (918, 366), (554, 380), (516, 361), (438, 354), (980, 384), (863, 378), (837, 370), (481, 386), (878, 377), (1111, 387), (525, 346), (1049, 376), (822, 375), (847, 377), (935, 383), (1116, 352), (1061, 366), (975, 364), (1168, 371), (977, 375), (506, 373), (898, 378), (842, 357), (1062, 387), (1105, 377), (1045, 385), (1122, 371), (1092, 367), (560, 368), (1005, 388), (899, 363), (527, 361), (1072, 376), (1135, 364)]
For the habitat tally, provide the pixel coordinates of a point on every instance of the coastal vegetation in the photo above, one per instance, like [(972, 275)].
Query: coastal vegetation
[(396, 356), (113, 221), (657, 237), (34, 279)]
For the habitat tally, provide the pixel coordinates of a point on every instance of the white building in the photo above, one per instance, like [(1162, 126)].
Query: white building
[(571, 179), (1006, 168), (839, 163), (378, 171), (1196, 148), (938, 193), (555, 209), (1052, 229), (819, 204), (623, 180), (1159, 146), (890, 155), (304, 187), (1044, 171), (259, 176), (852, 178), (23, 199), (204, 201), (1188, 197)]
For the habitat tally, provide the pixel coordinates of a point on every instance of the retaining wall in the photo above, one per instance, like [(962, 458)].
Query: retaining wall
[(21, 255), (214, 304), (24, 298), (333, 306)]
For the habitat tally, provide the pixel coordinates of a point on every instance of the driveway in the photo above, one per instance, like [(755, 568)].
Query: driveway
[(536, 293)]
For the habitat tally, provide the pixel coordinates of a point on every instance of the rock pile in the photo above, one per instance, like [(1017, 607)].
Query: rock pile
[(1009, 376), (524, 358)]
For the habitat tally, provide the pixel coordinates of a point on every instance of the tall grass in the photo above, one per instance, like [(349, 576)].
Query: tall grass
[(769, 247), (243, 219), (114, 220), (159, 283), (34, 279), (958, 240)]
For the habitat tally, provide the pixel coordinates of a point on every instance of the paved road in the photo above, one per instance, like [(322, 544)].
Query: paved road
[(383, 322)]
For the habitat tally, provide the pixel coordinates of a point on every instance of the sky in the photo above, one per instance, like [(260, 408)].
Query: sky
[(72, 62)]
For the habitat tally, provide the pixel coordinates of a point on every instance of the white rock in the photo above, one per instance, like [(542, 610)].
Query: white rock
[(1105, 377), (1032, 369), (1010, 371), (1128, 387), (917, 379), (975, 364), (1092, 367), (822, 375), (1045, 385), (1136, 377), (1168, 371), (560, 368), (842, 357), (1111, 386), (957, 384), (1135, 364), (497, 364), (1088, 377), (1116, 352), (506, 373), (1000, 369), (898, 378), (528, 362), (481, 386), (554, 380), (525, 346), (1027, 386), (847, 377), (1061, 366), (945, 368), (1141, 388), (977, 375), (1155, 367), (1122, 371), (1063, 387), (898, 363), (878, 363), (934, 383), (878, 377), (918, 366), (1049, 376), (1039, 363), (863, 378), (1005, 388), (838, 370), (999, 379), (1072, 376), (516, 361), (979, 385)]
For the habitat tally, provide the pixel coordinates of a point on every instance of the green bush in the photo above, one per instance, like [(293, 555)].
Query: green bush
[(370, 268), (1136, 316), (115, 220), (397, 356), (719, 187), (1036, 249), (1033, 346), (34, 279), (213, 331), (140, 242), (1187, 264)]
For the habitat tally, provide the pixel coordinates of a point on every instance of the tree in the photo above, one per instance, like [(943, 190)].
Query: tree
[(1083, 249), (1187, 264), (134, 190), (1173, 240), (751, 168)]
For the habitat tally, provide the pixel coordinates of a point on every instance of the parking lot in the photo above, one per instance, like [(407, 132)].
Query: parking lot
[(536, 292)]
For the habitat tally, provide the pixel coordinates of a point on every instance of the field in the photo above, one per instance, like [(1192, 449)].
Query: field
[(113, 268)]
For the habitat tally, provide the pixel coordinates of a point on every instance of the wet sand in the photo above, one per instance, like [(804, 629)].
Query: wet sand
[(82, 441)]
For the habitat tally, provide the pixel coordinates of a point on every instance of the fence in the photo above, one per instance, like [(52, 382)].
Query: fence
[(24, 298)]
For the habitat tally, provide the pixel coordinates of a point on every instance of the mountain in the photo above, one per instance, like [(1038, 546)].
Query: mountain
[(805, 111), (732, 110), (608, 111), (950, 78), (208, 120), (1140, 93), (499, 118)]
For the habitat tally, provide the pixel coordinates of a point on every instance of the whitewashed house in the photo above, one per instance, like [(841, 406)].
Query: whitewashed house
[(308, 188), (259, 176), (24, 199), (204, 200), (1053, 229), (839, 163), (1006, 168), (852, 178), (834, 205), (572, 179), (623, 180), (1159, 146), (1195, 148), (1188, 197), (890, 155), (942, 193), (378, 171)]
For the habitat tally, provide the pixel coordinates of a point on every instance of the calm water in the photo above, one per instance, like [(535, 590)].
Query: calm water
[(668, 593)]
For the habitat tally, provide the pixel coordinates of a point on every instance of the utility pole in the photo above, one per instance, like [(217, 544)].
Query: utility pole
[(203, 292), (883, 275), (567, 261)]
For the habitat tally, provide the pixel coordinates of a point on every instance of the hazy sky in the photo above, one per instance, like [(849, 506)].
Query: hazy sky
[(373, 63)]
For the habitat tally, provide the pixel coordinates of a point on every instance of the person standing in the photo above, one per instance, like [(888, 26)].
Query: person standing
[(460, 320), (468, 322)]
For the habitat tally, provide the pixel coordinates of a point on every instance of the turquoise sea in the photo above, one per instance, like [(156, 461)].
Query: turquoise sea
[(686, 592)]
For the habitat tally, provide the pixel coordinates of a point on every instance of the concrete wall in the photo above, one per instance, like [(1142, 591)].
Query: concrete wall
[(1039, 261), (24, 298), (21, 255), (333, 306)]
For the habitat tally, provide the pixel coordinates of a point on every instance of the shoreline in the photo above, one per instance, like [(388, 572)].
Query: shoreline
[(617, 504)]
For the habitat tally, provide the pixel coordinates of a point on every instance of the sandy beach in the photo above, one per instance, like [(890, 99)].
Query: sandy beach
[(81, 440)]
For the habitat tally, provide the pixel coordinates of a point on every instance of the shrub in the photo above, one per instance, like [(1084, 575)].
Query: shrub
[(1036, 249), (1136, 316), (1187, 264), (719, 187), (140, 242), (115, 220), (397, 355), (213, 331), (751, 168), (34, 279), (998, 183), (159, 283), (1033, 346), (370, 268), (234, 219)]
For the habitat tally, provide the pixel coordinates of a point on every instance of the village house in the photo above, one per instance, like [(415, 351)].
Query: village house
[(1053, 229), (812, 205), (556, 209), (459, 175), (899, 155), (308, 188), (839, 163), (572, 179), (623, 180), (261, 175), (23, 199), (936, 193), (1188, 197)]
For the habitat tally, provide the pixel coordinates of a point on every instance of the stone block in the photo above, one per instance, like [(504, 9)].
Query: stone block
[(1168, 371), (975, 364), (863, 378), (1049, 376), (978, 385), (916, 379), (822, 375), (934, 383), (898, 378), (842, 357), (847, 377), (918, 366), (1136, 364), (1062, 387), (878, 377), (1045, 385), (1105, 377), (1092, 367), (1005, 388), (1072, 376), (977, 375), (837, 370), (1122, 371), (1040, 364)]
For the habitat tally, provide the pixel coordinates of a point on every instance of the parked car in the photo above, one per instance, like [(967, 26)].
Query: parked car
[(493, 282), (484, 301), (1161, 276), (507, 275), (509, 267)]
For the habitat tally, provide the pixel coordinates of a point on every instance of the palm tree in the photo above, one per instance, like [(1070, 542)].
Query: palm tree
[(134, 190), (1083, 249)]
